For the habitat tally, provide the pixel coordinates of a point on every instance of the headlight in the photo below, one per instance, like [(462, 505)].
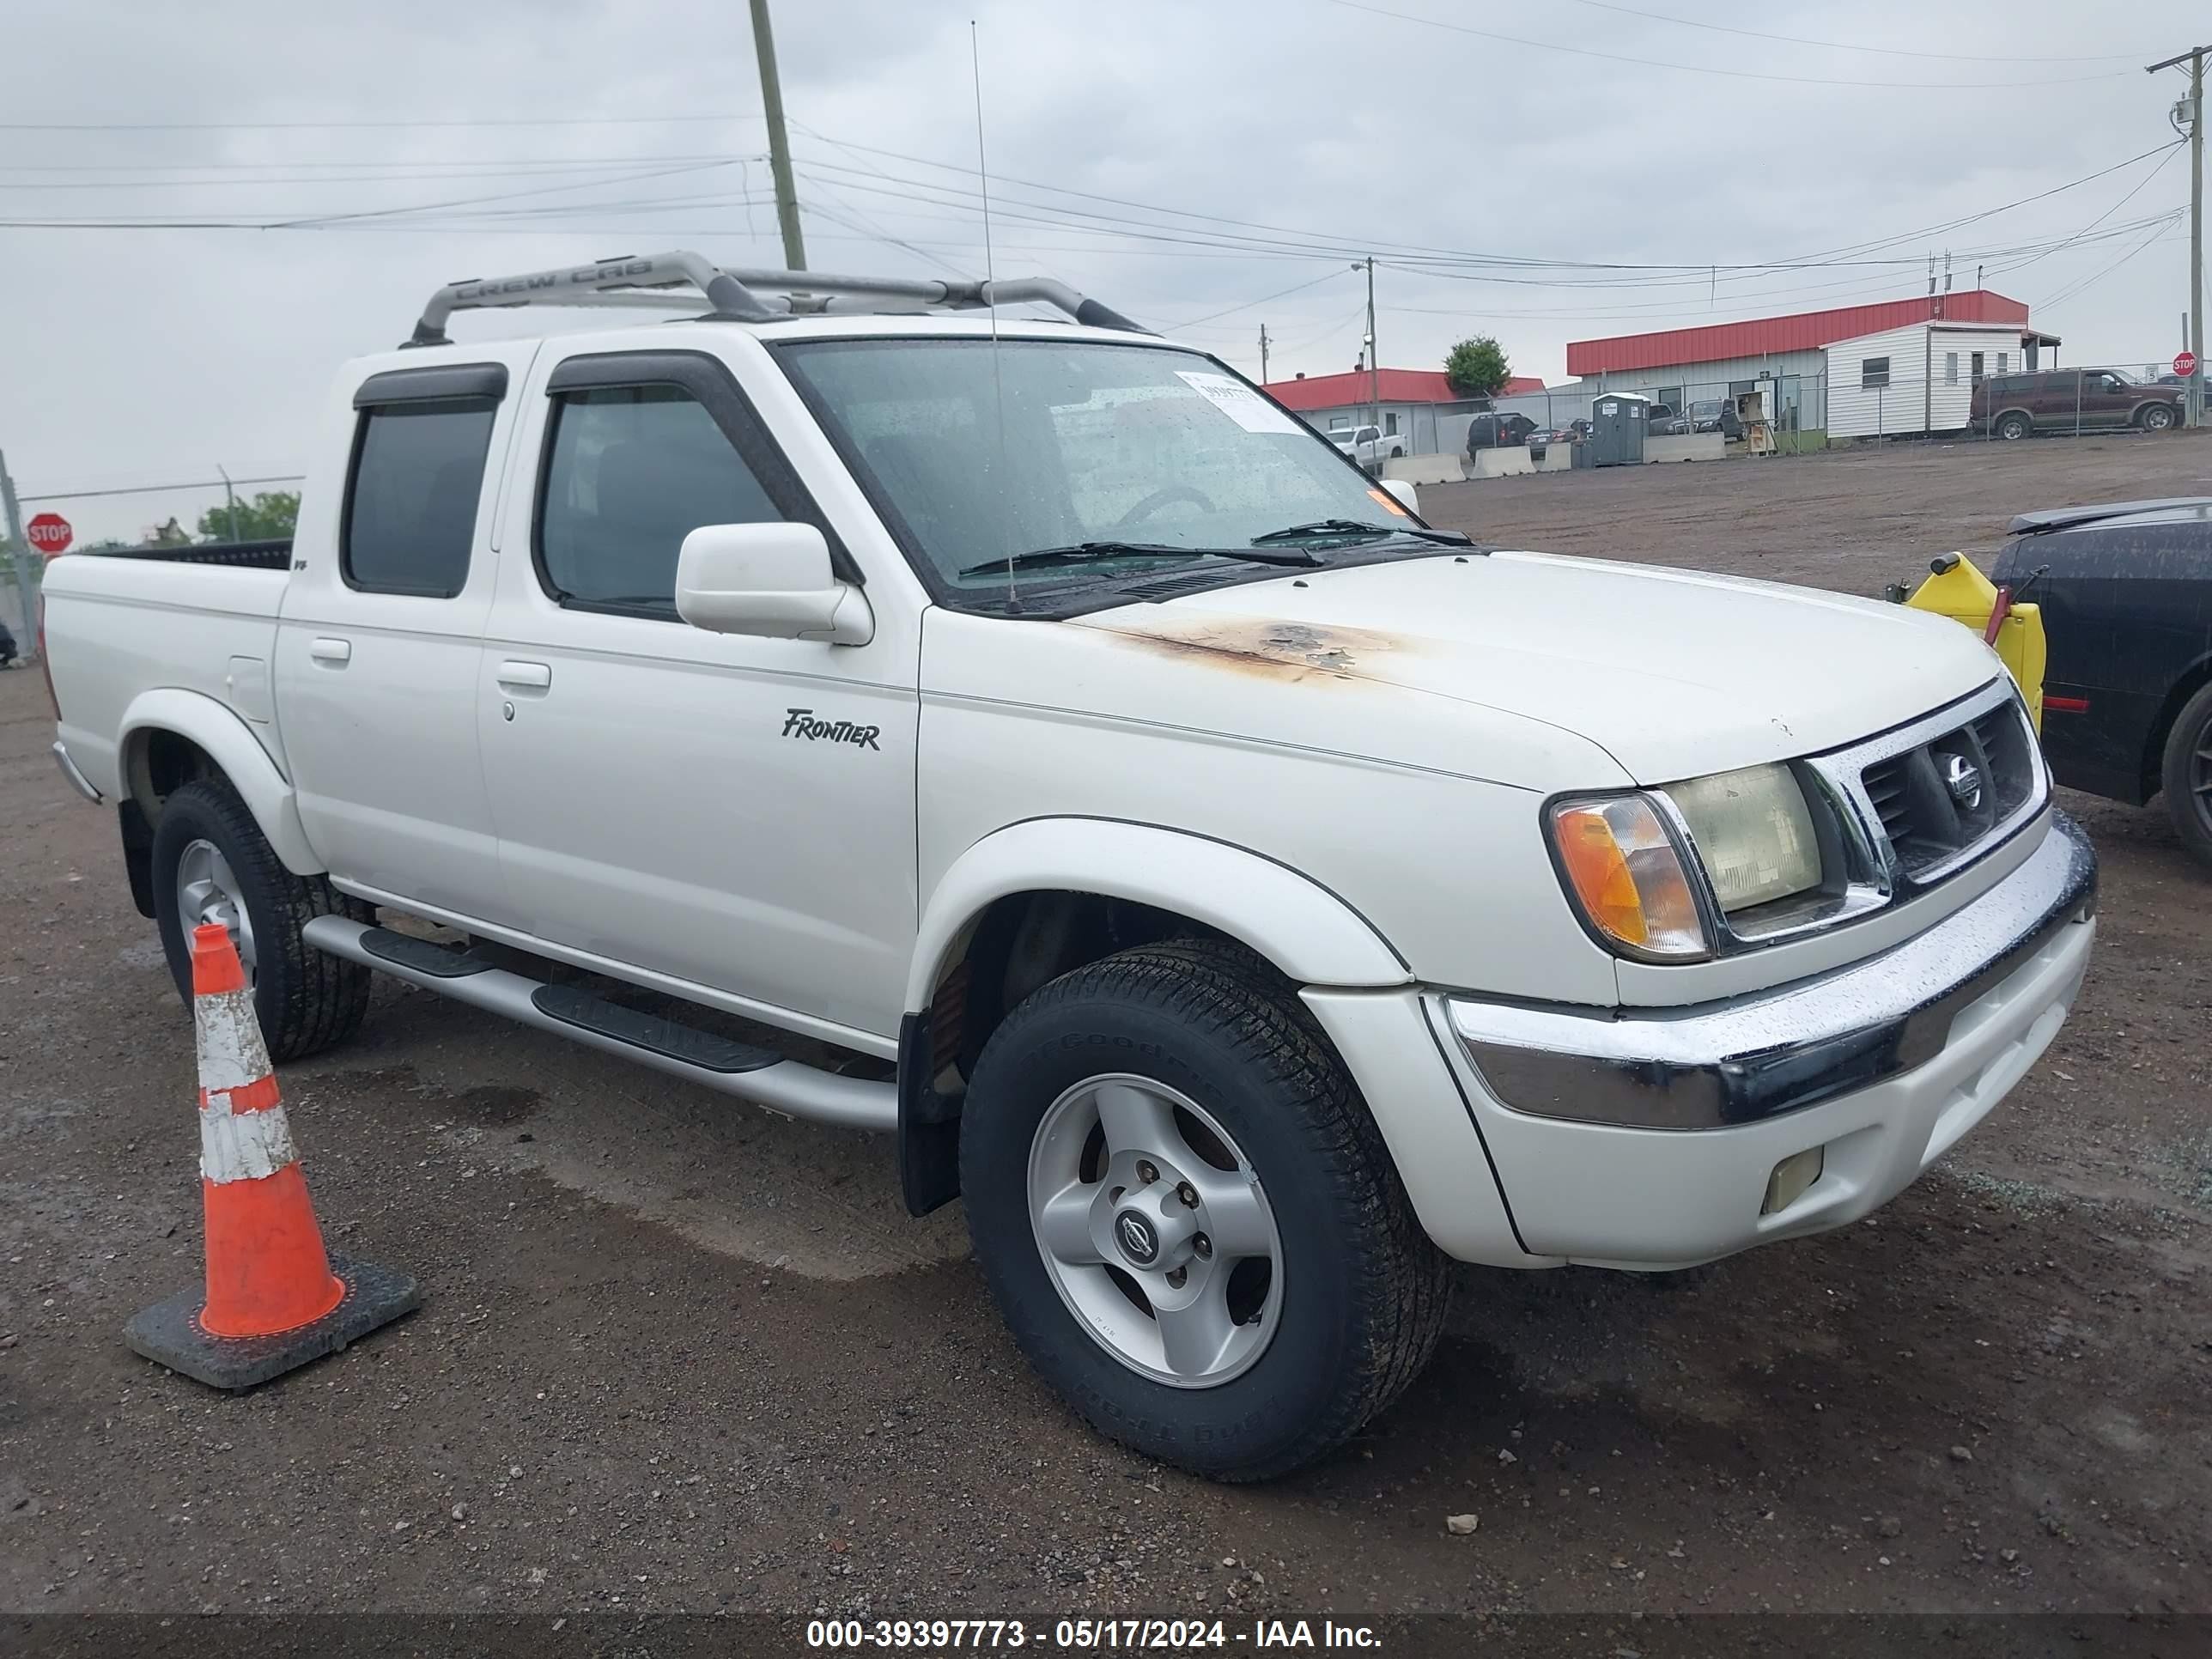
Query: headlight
[(1752, 841), (1622, 868), (1753, 834)]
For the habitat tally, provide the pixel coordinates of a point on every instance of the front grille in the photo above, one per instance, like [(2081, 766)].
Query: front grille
[(1938, 800)]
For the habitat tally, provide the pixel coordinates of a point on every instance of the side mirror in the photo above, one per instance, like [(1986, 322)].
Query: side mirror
[(1402, 491), (770, 579)]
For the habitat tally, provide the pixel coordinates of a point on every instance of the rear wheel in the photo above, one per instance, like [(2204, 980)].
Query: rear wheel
[(2013, 426), (1189, 1218), (212, 864), (2187, 774), (2155, 417)]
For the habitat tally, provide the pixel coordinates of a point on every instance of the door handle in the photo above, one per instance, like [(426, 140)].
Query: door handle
[(526, 676), (337, 653)]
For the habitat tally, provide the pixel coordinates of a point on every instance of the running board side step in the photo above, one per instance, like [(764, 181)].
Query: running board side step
[(712, 1061)]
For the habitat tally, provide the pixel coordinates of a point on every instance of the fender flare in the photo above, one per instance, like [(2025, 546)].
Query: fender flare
[(230, 743), (1308, 931)]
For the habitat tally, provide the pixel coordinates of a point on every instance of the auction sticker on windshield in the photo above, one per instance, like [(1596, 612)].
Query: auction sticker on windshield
[(1238, 401)]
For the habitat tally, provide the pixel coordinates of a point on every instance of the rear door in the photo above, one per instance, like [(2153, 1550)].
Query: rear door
[(382, 626), (731, 812)]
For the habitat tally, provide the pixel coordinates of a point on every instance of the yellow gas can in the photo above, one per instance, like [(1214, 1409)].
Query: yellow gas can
[(1956, 589)]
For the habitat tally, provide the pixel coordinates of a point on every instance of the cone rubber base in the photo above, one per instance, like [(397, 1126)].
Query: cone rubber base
[(169, 1333)]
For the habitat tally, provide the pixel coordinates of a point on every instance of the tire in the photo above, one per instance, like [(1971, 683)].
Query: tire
[(1353, 1299), (305, 1000), (2186, 775), (2013, 426), (2155, 417)]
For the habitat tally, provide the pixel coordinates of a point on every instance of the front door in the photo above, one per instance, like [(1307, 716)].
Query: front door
[(381, 629), (2105, 399), (731, 812)]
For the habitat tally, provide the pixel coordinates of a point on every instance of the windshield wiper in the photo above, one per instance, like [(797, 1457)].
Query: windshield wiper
[(1354, 527), (1097, 552)]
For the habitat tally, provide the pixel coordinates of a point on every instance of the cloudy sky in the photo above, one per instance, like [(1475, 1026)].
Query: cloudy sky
[(206, 208)]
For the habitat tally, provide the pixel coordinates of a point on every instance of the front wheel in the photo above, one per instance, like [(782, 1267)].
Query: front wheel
[(2013, 427), (212, 864), (2186, 775), (1187, 1218), (2155, 417)]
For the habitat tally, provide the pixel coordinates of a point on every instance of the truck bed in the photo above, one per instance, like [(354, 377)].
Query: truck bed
[(148, 621)]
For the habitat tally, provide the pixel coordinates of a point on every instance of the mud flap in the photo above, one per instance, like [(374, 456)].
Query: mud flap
[(928, 1126)]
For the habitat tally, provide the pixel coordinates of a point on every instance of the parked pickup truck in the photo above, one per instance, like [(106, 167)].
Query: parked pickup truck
[(1367, 446), (1244, 896)]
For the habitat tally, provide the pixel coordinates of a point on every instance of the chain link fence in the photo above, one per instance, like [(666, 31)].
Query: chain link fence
[(1793, 407)]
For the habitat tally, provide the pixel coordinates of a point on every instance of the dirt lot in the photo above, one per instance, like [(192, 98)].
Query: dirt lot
[(680, 1355)]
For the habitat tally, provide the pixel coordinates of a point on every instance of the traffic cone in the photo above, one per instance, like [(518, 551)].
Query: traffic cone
[(275, 1299)]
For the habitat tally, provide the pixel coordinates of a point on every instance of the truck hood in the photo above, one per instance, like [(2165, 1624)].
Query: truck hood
[(1674, 673)]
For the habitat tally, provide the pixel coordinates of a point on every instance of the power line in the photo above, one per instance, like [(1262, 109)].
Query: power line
[(1845, 45), (1327, 276), (2069, 292), (293, 126), (2171, 152), (163, 490), (1710, 69)]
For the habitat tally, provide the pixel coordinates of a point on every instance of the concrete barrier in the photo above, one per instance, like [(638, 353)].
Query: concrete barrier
[(1514, 460), (1686, 446), (1500, 462), (1424, 468)]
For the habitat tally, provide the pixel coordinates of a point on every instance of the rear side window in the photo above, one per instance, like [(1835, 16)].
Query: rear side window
[(629, 471), (410, 512)]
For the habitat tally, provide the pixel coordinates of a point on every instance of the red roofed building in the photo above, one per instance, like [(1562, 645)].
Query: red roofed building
[(1787, 355), (1409, 400)]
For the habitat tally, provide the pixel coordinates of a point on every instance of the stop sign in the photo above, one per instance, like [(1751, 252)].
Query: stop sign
[(2185, 363), (49, 533)]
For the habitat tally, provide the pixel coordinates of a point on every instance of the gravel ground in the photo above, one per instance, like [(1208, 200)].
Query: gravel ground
[(678, 1355)]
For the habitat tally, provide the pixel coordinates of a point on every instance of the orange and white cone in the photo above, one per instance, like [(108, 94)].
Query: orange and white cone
[(273, 1297)]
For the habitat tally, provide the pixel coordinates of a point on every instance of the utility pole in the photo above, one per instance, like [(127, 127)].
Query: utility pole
[(230, 500), (2194, 106), (1263, 354), (19, 550), (779, 143), (1374, 368)]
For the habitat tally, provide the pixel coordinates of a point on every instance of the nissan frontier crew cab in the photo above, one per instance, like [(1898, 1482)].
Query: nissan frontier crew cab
[(1021, 735)]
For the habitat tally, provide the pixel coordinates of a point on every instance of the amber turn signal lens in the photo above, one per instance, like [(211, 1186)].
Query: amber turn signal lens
[(1626, 876)]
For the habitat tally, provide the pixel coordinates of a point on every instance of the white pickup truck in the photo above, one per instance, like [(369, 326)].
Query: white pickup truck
[(1367, 446), (1244, 896)]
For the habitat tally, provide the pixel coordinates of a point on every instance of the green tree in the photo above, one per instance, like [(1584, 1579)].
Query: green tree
[(269, 515), (1477, 367)]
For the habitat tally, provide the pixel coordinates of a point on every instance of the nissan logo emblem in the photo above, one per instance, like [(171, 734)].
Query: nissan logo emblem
[(1139, 1242), (1964, 779)]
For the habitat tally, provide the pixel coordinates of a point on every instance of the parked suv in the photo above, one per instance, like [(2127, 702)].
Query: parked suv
[(1492, 430), (2073, 400)]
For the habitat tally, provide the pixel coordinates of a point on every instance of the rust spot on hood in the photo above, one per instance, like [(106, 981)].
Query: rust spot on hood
[(1263, 646)]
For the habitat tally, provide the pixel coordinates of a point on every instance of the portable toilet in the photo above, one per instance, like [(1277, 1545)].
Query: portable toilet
[(1617, 425)]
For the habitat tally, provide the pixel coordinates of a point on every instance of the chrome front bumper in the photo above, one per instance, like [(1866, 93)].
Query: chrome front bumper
[(1756, 1058)]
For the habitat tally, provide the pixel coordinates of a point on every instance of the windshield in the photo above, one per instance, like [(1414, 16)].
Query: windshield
[(981, 453)]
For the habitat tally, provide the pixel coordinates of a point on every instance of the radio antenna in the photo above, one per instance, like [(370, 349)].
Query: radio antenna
[(991, 289)]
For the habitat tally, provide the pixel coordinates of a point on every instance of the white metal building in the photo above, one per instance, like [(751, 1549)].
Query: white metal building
[(1919, 378)]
